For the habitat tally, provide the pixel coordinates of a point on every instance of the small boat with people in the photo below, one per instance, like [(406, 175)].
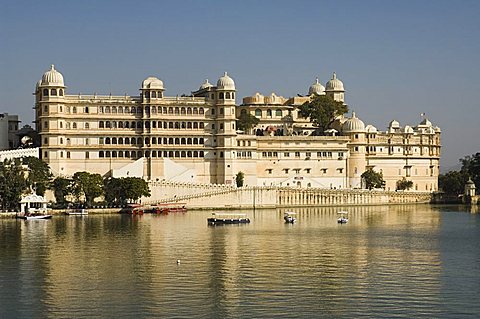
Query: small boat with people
[(289, 217), (342, 217), (225, 219)]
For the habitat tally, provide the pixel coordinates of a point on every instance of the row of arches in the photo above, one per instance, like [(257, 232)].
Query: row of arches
[(151, 124), (149, 154), (153, 94), (151, 110), (152, 140)]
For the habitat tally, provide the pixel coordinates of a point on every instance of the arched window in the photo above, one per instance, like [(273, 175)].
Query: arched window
[(147, 141), (189, 125), (101, 125), (183, 111), (184, 125), (120, 140), (133, 110), (177, 141), (154, 140), (120, 153), (45, 92), (133, 125), (258, 113), (177, 110), (243, 112), (154, 94), (114, 124), (133, 141), (139, 124), (227, 95), (189, 141), (201, 154), (60, 92), (108, 124), (127, 141), (147, 124), (154, 124), (154, 153), (170, 110), (87, 126), (147, 109), (233, 95), (120, 124), (53, 92), (114, 153), (127, 154), (278, 113), (195, 110), (195, 125), (74, 109), (101, 154), (74, 125), (195, 141), (177, 125), (120, 109), (170, 124), (170, 154), (201, 111), (114, 140), (189, 153), (139, 110), (195, 154), (107, 109), (107, 140), (114, 109), (139, 141), (147, 94), (127, 124), (166, 141), (177, 153), (189, 110), (154, 110), (220, 96), (183, 154), (201, 125), (269, 113), (200, 140), (165, 110), (183, 141), (100, 140)]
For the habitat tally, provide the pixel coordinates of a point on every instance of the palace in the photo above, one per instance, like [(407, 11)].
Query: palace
[(194, 138)]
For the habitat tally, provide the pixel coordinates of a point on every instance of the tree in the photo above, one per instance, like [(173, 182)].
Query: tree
[(119, 190), (88, 186), (453, 182), (471, 167), (12, 184), (246, 121), (372, 179), (239, 178), (404, 184), (61, 188), (322, 110), (39, 175)]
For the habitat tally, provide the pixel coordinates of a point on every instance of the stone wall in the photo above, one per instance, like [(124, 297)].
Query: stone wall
[(206, 196)]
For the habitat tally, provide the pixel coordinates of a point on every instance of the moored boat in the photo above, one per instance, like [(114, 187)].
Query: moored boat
[(225, 219), (343, 217), (77, 212), (289, 217), (30, 217)]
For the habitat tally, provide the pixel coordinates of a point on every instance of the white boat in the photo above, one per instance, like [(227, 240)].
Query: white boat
[(29, 217), (343, 217), (78, 212), (289, 217), (224, 219)]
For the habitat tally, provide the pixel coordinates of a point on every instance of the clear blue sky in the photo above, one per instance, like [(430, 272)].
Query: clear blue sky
[(397, 59)]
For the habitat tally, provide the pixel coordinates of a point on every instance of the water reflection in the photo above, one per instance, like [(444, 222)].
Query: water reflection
[(386, 260)]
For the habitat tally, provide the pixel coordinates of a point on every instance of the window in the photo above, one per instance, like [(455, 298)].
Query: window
[(269, 170), (258, 113), (87, 125), (86, 109), (269, 113), (278, 113), (297, 154), (286, 154), (307, 170), (296, 170), (74, 109), (68, 154), (286, 170), (87, 155), (45, 93)]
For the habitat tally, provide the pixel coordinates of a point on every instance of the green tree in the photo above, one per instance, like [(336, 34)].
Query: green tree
[(39, 174), (120, 190), (453, 182), (246, 121), (239, 178), (471, 167), (322, 110), (87, 185), (372, 179), (12, 184), (404, 184), (61, 188)]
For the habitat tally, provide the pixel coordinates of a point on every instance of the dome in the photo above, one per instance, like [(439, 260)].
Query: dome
[(371, 129), (334, 84), (394, 124), (316, 88), (152, 83), (408, 129), (225, 83), (205, 85), (52, 78), (353, 124), (437, 129), (425, 122)]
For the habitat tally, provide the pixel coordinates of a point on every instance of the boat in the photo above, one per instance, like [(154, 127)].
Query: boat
[(289, 217), (77, 212), (343, 217), (225, 219), (33, 216), (166, 208)]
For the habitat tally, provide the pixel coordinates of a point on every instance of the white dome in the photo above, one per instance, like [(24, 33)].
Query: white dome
[(52, 78), (425, 122), (334, 84), (353, 124), (371, 129), (316, 88), (408, 129), (205, 85), (394, 124), (152, 83), (225, 83)]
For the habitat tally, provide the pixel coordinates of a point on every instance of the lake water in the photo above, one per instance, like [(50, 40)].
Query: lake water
[(415, 261)]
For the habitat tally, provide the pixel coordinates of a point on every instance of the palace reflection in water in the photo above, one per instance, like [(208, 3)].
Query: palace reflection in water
[(387, 260)]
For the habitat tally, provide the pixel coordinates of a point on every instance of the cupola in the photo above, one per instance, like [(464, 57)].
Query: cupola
[(52, 78), (316, 88), (225, 83)]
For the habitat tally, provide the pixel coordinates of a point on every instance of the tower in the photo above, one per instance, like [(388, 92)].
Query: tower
[(224, 129), (334, 89)]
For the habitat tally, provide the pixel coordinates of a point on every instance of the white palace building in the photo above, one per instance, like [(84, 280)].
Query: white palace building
[(195, 139)]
